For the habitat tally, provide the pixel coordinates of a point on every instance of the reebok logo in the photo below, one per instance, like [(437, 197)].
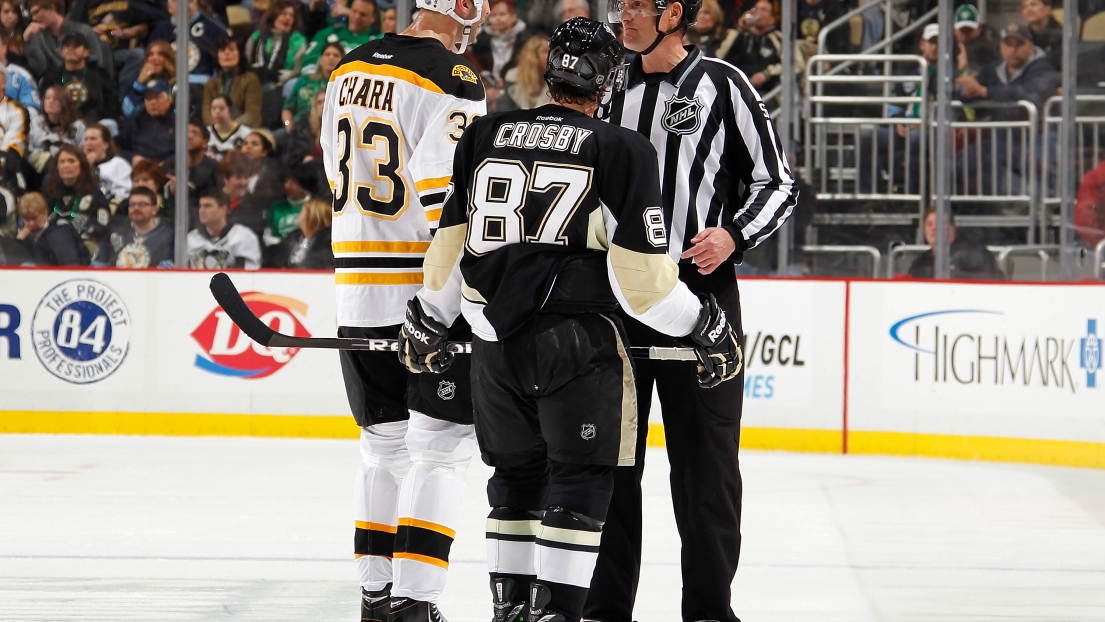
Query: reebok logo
[(416, 334), (383, 56)]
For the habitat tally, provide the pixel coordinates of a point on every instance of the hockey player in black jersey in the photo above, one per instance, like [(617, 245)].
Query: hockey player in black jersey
[(552, 223)]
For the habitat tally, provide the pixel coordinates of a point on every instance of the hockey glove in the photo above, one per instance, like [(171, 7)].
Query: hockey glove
[(719, 354), (422, 345)]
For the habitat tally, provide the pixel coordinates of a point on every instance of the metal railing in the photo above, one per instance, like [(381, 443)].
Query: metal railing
[(845, 155), (871, 251), (1002, 254), (994, 164), (1089, 150)]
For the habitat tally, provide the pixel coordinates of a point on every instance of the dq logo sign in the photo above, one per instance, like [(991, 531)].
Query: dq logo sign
[(230, 352)]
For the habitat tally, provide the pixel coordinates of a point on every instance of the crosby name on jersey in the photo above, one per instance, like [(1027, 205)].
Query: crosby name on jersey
[(390, 124)]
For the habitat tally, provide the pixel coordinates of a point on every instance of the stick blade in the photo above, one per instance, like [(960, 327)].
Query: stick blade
[(222, 288)]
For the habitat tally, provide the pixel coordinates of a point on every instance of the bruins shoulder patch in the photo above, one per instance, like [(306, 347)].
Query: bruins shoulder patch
[(465, 73)]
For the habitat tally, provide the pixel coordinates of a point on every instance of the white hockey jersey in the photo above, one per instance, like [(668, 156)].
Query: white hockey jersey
[(395, 109), (236, 246)]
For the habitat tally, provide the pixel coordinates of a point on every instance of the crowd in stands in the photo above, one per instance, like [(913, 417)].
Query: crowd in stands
[(88, 115)]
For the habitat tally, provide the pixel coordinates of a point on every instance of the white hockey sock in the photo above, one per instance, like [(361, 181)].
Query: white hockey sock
[(375, 501)]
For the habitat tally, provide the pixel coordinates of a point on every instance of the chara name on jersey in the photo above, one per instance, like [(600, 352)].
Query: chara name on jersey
[(373, 92)]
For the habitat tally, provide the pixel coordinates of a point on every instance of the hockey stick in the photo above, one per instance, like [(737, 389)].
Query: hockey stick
[(222, 288)]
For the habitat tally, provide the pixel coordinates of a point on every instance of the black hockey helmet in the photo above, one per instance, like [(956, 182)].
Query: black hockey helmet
[(583, 53)]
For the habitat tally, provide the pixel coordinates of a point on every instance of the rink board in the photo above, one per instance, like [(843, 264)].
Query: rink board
[(831, 365)]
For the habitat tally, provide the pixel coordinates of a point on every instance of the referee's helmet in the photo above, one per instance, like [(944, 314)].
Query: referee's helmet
[(583, 53), (690, 10)]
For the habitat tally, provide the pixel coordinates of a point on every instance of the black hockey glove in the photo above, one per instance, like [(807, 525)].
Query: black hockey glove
[(719, 354), (422, 345)]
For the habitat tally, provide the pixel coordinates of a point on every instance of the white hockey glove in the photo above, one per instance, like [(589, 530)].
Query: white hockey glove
[(422, 345), (719, 354)]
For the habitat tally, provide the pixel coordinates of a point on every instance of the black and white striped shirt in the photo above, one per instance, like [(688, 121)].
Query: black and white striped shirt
[(721, 163)]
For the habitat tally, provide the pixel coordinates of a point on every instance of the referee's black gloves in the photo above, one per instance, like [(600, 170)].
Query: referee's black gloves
[(422, 345), (715, 345)]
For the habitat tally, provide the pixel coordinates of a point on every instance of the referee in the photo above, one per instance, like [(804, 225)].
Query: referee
[(726, 187)]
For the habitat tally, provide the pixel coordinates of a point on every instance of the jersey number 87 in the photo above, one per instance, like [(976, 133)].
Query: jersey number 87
[(384, 194)]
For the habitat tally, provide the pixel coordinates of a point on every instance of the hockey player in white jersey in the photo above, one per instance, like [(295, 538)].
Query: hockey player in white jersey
[(395, 109)]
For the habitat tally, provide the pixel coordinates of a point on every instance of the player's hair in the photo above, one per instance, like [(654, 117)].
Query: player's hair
[(105, 135), (145, 192), (216, 194), (86, 181), (319, 213), (151, 169), (569, 94), (32, 203)]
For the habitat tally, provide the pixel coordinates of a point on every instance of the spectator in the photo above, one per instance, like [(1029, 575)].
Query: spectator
[(58, 125), (265, 186), (12, 26), (298, 102), (235, 171), (813, 15), (709, 33), (203, 172), (283, 214), (49, 239), (1089, 210), (150, 175), (21, 84), (275, 52), (1047, 33), (303, 147), (977, 39), (144, 241), (14, 125), (389, 21), (91, 88), (360, 29), (496, 50), (112, 171), (968, 260), (525, 82), (308, 247), (758, 49), (123, 25), (71, 190), (150, 134), (216, 244), (242, 87), (1023, 73), (44, 35), (225, 134), (204, 34), (160, 64), (581, 8)]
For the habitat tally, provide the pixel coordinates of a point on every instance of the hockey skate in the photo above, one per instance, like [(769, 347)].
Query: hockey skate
[(410, 610), (505, 608), (539, 597), (375, 606)]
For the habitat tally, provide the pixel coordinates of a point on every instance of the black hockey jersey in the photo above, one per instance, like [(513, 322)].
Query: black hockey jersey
[(551, 209)]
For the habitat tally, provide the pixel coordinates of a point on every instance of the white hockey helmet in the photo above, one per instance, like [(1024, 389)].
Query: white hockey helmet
[(448, 7)]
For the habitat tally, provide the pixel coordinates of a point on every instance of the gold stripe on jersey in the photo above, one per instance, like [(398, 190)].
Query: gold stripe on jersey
[(596, 231), (470, 294), (379, 246), (645, 279), (443, 255), (433, 215), (432, 183), (390, 71), (378, 278)]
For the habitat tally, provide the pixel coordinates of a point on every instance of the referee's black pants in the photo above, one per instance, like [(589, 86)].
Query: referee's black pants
[(702, 431)]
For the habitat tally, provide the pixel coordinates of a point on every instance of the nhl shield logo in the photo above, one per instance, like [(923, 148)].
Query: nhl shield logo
[(446, 390), (682, 115), (587, 431)]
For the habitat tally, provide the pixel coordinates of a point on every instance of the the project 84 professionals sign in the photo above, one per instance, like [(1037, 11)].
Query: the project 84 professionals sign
[(81, 331)]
